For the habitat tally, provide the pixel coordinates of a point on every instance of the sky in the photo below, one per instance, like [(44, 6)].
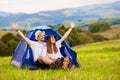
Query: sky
[(33, 6)]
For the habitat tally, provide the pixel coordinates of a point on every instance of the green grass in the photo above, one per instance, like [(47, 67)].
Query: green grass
[(100, 61)]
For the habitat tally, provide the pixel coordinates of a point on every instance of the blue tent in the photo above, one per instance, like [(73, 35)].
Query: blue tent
[(23, 54)]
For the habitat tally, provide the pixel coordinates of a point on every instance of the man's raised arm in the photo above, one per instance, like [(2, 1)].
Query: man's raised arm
[(15, 27)]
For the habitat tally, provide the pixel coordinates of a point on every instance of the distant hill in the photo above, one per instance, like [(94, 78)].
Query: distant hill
[(112, 33), (98, 11), (4, 14), (3, 32)]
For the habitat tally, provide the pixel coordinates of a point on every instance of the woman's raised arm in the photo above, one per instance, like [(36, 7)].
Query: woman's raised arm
[(67, 33)]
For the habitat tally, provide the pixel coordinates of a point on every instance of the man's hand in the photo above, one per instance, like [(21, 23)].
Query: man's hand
[(14, 26)]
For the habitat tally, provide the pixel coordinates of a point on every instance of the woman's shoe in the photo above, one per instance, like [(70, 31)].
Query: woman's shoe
[(66, 63)]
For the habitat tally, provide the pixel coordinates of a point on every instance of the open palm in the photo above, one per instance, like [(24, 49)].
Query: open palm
[(13, 25)]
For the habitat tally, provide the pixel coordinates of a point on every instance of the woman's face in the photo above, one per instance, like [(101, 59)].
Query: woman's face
[(52, 39)]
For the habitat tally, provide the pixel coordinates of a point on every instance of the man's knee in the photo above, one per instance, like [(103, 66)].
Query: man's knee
[(41, 58)]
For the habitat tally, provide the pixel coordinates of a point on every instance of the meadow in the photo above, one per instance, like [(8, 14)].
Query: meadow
[(99, 61)]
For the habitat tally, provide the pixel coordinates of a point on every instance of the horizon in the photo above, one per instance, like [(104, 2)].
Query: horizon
[(20, 7)]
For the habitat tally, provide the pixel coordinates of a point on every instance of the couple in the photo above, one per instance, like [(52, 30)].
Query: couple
[(47, 53)]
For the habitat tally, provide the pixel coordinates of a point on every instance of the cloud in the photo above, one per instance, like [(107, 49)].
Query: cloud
[(32, 6)]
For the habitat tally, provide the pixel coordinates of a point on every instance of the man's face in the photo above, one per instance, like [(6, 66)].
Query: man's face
[(41, 37)]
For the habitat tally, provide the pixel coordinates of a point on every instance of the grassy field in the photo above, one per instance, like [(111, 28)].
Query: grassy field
[(99, 61)]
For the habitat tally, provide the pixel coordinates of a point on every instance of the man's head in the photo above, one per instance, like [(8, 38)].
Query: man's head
[(39, 35)]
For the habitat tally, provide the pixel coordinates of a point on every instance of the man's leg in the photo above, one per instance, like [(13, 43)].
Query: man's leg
[(51, 63)]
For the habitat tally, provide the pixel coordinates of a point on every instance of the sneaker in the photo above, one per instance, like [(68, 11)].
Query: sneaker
[(59, 62), (66, 63)]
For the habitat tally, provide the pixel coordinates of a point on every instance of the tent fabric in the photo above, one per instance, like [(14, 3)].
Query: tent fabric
[(23, 56)]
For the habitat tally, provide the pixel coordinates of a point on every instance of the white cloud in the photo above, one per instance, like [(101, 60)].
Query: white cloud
[(32, 6)]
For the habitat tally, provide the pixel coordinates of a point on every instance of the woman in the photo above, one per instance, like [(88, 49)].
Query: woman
[(52, 48)]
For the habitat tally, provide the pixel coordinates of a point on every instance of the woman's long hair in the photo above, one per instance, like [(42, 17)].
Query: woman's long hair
[(49, 46)]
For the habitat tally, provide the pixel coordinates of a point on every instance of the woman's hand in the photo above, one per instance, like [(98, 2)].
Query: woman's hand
[(72, 25), (14, 26), (52, 58)]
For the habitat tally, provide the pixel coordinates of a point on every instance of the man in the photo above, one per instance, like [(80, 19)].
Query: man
[(36, 46)]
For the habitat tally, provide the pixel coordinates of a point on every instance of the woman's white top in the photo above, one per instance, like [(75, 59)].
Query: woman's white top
[(55, 55)]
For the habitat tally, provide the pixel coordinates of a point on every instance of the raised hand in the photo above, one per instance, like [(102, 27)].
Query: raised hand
[(15, 26), (72, 25)]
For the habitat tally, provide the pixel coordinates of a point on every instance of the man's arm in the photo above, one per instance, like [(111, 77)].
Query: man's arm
[(67, 33), (15, 26)]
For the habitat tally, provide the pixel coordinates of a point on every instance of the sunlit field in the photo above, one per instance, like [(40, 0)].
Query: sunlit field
[(99, 61)]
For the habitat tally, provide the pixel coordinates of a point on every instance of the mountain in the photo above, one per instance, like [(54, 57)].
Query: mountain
[(4, 14), (62, 15)]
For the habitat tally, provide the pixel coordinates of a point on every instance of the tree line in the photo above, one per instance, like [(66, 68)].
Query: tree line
[(8, 43)]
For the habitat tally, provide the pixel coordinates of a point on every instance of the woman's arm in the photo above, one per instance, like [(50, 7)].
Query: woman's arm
[(15, 26), (67, 33)]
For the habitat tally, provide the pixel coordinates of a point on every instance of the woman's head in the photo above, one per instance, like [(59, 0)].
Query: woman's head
[(51, 38), (51, 46)]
